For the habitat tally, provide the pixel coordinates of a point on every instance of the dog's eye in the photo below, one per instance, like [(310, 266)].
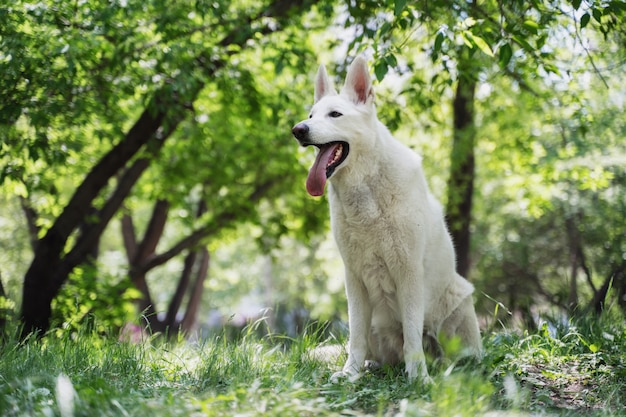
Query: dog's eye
[(335, 114), (310, 115)]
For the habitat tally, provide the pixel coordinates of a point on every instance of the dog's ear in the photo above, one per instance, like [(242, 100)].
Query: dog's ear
[(358, 85), (323, 84)]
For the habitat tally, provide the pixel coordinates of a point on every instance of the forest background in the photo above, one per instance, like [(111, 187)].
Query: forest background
[(149, 175)]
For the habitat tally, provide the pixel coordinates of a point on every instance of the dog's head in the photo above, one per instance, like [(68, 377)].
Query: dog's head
[(339, 124)]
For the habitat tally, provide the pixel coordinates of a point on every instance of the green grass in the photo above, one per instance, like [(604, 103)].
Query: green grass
[(574, 371)]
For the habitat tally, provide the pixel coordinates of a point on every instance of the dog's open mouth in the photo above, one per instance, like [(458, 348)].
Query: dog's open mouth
[(329, 157)]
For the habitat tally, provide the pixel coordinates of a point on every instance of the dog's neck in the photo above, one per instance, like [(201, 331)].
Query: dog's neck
[(365, 165)]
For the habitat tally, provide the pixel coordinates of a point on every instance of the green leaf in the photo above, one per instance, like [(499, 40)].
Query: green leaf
[(584, 20), (391, 60), (576, 4), (524, 44), (399, 7), (505, 55), (467, 38), (380, 70), (384, 29), (469, 22), (531, 26), (438, 42), (482, 45), (541, 41), (551, 68), (617, 6), (597, 15)]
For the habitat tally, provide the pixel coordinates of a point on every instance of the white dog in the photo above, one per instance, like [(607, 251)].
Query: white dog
[(399, 259)]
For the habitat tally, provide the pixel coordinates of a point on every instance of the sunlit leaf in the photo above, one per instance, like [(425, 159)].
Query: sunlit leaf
[(391, 60), (531, 26), (469, 22), (482, 45)]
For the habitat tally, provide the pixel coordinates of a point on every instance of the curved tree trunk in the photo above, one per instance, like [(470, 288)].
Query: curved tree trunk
[(51, 266)]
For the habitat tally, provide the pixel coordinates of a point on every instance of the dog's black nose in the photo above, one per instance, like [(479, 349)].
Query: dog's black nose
[(300, 131)]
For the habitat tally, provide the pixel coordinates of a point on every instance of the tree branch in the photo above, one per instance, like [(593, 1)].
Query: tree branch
[(128, 235), (154, 231), (31, 222), (190, 241), (91, 233), (222, 220)]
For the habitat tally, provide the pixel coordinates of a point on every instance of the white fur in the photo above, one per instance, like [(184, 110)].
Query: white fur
[(399, 259)]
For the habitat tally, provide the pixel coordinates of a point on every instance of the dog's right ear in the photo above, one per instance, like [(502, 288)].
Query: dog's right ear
[(323, 84), (358, 86)]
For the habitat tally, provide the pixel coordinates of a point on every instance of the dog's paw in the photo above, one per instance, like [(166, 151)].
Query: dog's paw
[(427, 380), (341, 375), (372, 365), (334, 378), (423, 379), (416, 371)]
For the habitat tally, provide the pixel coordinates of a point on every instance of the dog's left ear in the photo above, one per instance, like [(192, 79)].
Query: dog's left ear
[(323, 84), (358, 85)]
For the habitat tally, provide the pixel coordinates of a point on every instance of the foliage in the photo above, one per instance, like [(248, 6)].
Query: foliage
[(513, 35), (571, 369), (182, 71), (90, 298), (547, 227), (557, 235)]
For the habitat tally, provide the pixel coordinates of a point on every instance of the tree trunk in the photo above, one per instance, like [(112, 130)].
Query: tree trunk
[(181, 289), (50, 267), (31, 222), (619, 283), (461, 181), (139, 253), (193, 305), (195, 298), (3, 312), (599, 297), (573, 237)]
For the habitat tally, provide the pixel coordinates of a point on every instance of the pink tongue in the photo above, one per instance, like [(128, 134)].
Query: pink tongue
[(316, 180)]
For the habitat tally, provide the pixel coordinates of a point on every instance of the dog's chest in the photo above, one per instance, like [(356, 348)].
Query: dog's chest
[(371, 238), (361, 207)]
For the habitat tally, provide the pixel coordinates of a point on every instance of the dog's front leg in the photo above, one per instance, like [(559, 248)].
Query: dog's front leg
[(359, 323), (411, 304)]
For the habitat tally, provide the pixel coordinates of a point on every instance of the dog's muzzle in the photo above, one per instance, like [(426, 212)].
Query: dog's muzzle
[(301, 132)]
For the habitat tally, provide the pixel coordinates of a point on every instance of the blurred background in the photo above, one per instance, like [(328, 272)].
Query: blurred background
[(149, 175)]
